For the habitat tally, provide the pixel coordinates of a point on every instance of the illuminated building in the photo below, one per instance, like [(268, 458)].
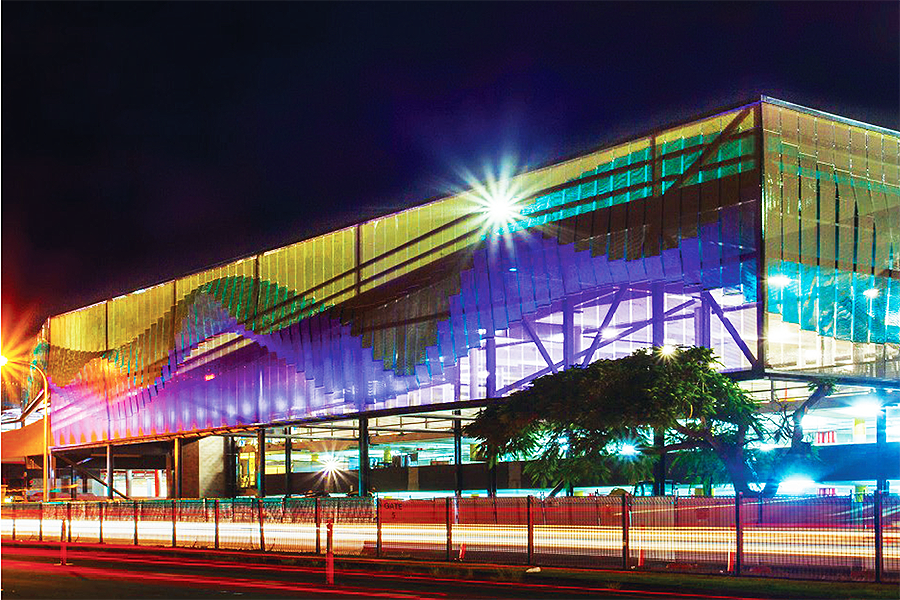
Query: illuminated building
[(768, 232)]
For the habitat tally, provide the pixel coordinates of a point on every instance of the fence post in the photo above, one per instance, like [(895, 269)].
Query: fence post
[(448, 519), (329, 555), (626, 527), (41, 523), (317, 517), (879, 536), (377, 528), (216, 524), (69, 519), (62, 544), (738, 533), (529, 520), (137, 511), (100, 508), (174, 521), (262, 536)]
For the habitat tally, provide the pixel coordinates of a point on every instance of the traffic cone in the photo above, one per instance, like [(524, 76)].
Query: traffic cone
[(641, 558), (462, 552), (730, 561)]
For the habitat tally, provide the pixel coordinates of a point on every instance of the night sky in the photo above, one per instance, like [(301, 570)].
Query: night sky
[(143, 141)]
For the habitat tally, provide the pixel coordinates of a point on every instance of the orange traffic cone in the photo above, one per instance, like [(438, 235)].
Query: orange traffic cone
[(462, 552), (641, 558), (730, 561)]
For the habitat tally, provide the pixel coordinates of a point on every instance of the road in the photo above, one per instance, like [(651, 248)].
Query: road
[(33, 572)]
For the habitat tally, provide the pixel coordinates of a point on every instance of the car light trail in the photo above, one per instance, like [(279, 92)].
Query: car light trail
[(656, 543)]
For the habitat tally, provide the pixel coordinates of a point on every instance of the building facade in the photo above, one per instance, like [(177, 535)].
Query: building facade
[(768, 232)]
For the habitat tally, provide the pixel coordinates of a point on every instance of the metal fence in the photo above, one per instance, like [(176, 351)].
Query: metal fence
[(848, 537)]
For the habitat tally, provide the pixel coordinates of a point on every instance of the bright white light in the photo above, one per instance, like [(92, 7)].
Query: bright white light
[(795, 486), (498, 194), (871, 293), (868, 406), (779, 333), (607, 333), (779, 281), (667, 350), (501, 210), (766, 447), (810, 422), (3, 361), (330, 465), (628, 450), (513, 269)]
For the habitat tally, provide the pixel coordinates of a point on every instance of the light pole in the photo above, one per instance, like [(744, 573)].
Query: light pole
[(46, 469)]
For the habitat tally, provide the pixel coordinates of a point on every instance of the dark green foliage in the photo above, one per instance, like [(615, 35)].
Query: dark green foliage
[(575, 421)]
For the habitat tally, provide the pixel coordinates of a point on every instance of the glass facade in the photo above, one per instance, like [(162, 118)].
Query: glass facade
[(654, 241), (831, 222)]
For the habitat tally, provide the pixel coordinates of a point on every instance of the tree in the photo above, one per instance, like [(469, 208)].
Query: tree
[(576, 421)]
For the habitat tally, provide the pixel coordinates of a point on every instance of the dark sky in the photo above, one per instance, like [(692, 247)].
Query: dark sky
[(142, 141)]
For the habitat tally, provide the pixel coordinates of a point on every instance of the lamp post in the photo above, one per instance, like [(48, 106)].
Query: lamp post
[(46, 469)]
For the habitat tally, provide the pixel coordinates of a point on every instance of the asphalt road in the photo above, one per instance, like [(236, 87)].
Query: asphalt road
[(33, 572)]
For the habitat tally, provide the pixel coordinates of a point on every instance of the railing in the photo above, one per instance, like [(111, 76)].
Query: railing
[(850, 538)]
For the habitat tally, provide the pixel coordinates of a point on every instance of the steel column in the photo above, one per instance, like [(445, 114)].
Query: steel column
[(288, 462), (109, 472), (738, 533), (881, 449), (658, 328), (261, 462), (568, 333), (363, 456), (879, 536), (457, 453)]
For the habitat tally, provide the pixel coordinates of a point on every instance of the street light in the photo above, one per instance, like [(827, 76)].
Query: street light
[(4, 361)]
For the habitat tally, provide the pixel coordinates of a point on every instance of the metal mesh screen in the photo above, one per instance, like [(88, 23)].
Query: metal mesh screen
[(118, 522), (85, 522), (688, 534), (416, 528), (810, 537), (194, 525), (155, 523), (290, 525), (492, 529), (239, 524), (890, 527), (353, 520), (578, 531)]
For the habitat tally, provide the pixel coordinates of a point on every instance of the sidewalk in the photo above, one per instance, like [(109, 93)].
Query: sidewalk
[(676, 584)]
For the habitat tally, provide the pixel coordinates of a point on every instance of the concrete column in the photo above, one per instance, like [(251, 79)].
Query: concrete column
[(491, 360), (363, 456), (177, 468), (261, 462), (128, 482), (702, 335), (473, 373)]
